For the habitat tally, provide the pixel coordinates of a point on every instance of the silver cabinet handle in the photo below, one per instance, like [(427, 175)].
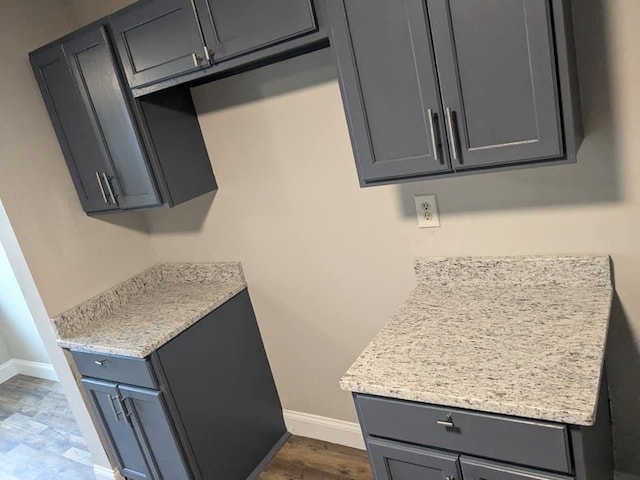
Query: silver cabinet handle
[(113, 408), (452, 135), (434, 144), (100, 363), (196, 59), (447, 422), (106, 180), (104, 196)]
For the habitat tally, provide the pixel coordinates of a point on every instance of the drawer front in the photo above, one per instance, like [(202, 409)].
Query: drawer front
[(128, 370), (531, 443), (475, 469)]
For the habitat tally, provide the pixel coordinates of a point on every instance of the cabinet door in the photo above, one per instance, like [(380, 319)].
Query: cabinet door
[(128, 179), (158, 39), (71, 123), (124, 446), (236, 27), (389, 87), (398, 461), (496, 61), (473, 469), (155, 433)]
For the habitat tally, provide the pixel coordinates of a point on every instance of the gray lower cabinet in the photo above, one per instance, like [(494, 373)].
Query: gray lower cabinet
[(415, 441), (122, 153), (203, 406), (138, 427), (434, 87), (394, 461)]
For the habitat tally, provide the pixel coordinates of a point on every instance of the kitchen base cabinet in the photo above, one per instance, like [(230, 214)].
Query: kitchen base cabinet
[(393, 461), (414, 441), (203, 406)]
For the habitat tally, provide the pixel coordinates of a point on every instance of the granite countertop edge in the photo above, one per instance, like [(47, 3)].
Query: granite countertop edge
[(149, 347), (582, 283)]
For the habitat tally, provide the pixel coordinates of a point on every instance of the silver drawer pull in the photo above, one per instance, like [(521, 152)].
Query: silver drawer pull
[(447, 422), (100, 363)]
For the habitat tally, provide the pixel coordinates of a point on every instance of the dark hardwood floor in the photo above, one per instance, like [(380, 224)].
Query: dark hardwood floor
[(39, 440), (307, 459)]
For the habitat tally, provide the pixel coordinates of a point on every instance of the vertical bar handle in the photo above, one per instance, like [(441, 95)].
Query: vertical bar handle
[(113, 408), (104, 196), (111, 195), (452, 135), (434, 143)]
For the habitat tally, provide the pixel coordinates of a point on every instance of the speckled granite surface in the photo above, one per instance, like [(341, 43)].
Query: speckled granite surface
[(518, 336), (143, 313)]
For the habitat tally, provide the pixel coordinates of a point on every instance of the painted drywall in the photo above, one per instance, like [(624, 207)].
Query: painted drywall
[(86, 11), (5, 356), (70, 255), (17, 327), (328, 263)]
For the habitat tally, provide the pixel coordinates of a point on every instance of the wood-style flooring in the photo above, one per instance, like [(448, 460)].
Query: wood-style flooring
[(39, 438), (307, 459)]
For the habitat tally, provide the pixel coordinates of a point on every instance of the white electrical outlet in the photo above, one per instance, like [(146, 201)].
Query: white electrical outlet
[(427, 211)]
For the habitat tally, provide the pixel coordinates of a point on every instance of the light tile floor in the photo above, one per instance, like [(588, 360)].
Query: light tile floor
[(39, 439)]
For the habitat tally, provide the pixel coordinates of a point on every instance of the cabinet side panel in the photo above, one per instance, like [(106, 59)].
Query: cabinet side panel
[(220, 378), (182, 156), (593, 446)]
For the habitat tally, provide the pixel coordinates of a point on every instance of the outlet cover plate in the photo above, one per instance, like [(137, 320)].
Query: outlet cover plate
[(427, 211)]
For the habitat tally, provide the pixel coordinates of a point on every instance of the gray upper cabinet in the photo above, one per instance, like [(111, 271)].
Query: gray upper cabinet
[(395, 461), (122, 153), (497, 72), (238, 27), (127, 181), (389, 87), (433, 87), (107, 405), (72, 125), (158, 39)]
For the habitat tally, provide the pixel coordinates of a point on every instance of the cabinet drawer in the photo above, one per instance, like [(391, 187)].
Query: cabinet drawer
[(127, 370), (531, 443), (475, 469)]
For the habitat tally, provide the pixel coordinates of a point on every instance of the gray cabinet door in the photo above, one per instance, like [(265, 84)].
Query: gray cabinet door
[(128, 180), (71, 123), (389, 87), (153, 428), (475, 469), (497, 69), (125, 448), (398, 461), (158, 39), (237, 27)]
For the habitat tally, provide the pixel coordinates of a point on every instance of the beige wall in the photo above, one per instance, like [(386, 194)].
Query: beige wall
[(72, 256)]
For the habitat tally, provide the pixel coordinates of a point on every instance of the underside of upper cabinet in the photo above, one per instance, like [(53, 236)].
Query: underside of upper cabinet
[(448, 87)]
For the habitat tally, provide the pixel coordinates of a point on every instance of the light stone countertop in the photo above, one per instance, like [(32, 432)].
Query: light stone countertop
[(143, 313), (522, 336)]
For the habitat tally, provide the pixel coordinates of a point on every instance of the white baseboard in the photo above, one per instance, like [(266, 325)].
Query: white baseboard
[(103, 473), (324, 428), (13, 367)]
